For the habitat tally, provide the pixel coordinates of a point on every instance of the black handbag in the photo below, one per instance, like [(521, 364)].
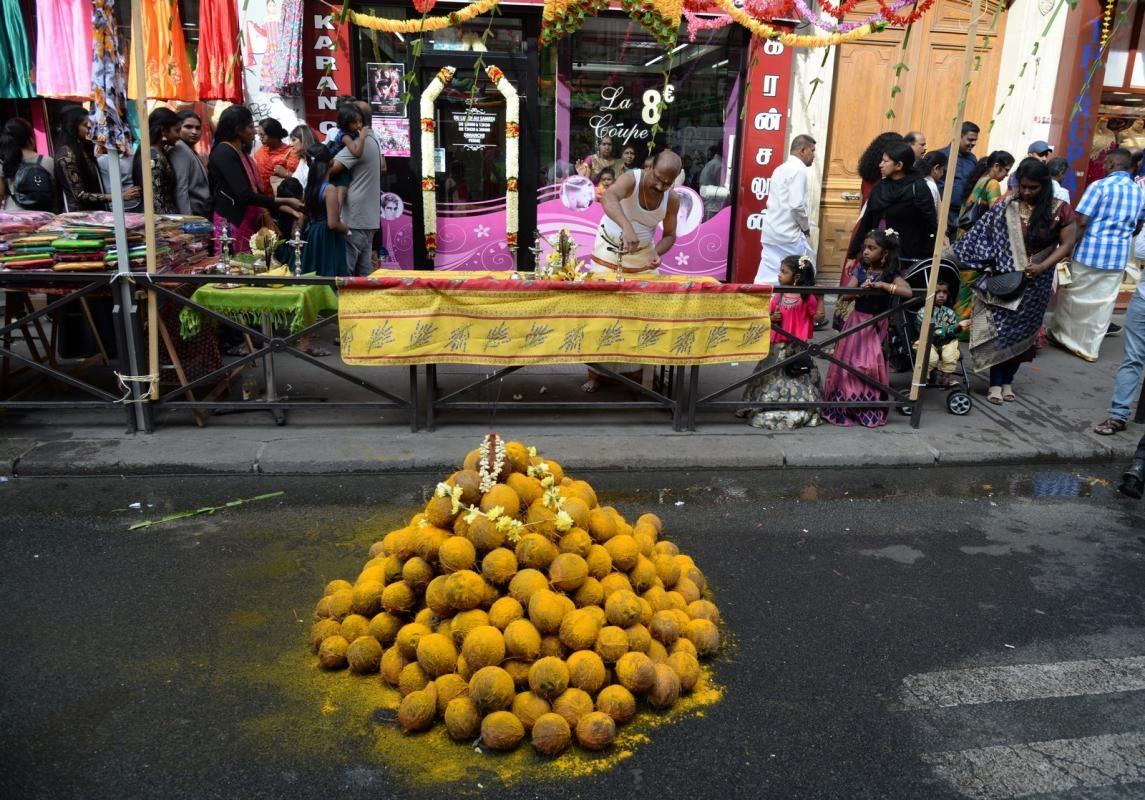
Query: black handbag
[(800, 366), (1006, 285)]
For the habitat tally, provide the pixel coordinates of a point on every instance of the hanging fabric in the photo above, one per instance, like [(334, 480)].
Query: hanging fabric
[(108, 81), (282, 60), (166, 68), (15, 55), (64, 49), (220, 72)]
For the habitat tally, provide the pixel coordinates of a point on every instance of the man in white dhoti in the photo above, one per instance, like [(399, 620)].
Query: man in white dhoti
[(786, 227)]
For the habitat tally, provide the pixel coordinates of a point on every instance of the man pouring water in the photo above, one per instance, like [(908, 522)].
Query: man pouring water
[(640, 201)]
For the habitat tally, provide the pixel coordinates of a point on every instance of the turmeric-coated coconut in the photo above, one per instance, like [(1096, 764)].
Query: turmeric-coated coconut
[(529, 707), (611, 643), (392, 664), (595, 731), (667, 569), (572, 704), (417, 710), (622, 608), (587, 671), (688, 590), (525, 584), (428, 541), (456, 553), (667, 548), (492, 689), (527, 488), (656, 652), (408, 637), (704, 609), (577, 508), (354, 626), (503, 611), (687, 669), (465, 590), (635, 672), (552, 646), (578, 630), (367, 598), (522, 640), (518, 456), (337, 585), (398, 598), (567, 572), (601, 525), (665, 628), (599, 562), (617, 702), (483, 647), (332, 652), (549, 677), (417, 573), (644, 543), (519, 672), (470, 482), (436, 597), (325, 628), (542, 520), (551, 734), (639, 639), (615, 582), (437, 655), (683, 645), (472, 461), (427, 618), (439, 512), (412, 679), (499, 566), (534, 551), (501, 730), (623, 550), (547, 609), (340, 603), (364, 655), (485, 535), (651, 519), (448, 687), (705, 636), (665, 689), (643, 574), (576, 541), (500, 495), (590, 593), (462, 719), (465, 622)]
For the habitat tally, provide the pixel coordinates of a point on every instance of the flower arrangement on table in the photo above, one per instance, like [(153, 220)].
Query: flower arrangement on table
[(560, 264)]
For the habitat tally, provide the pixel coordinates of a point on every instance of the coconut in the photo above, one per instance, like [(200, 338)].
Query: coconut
[(436, 598), (504, 611), (483, 647), (643, 574), (470, 482), (340, 603), (448, 687), (704, 609), (635, 672), (577, 508), (336, 585), (397, 542), (462, 719), (485, 535), (617, 702), (549, 677), (398, 598), (501, 730), (439, 511), (417, 573), (656, 652), (412, 679), (601, 525), (354, 626), (599, 562), (437, 655), (673, 600), (667, 569), (408, 637), (463, 669), (665, 689), (367, 597), (595, 731), (392, 664), (572, 704), (332, 652), (501, 495), (526, 487), (522, 640), (465, 590), (655, 598), (567, 572), (322, 608), (639, 638), (465, 622), (582, 490), (578, 630), (653, 520), (646, 612), (392, 566), (665, 627), (428, 540), (575, 541), (667, 548), (688, 590), (427, 618), (547, 609), (490, 596), (519, 672), (695, 576), (704, 635), (534, 551), (687, 669), (542, 519), (597, 613), (623, 550), (622, 608), (611, 643), (590, 593), (552, 646), (683, 645), (526, 583), (456, 553), (417, 710), (615, 582), (492, 689), (324, 629), (499, 566), (551, 734), (555, 469), (472, 461), (373, 572), (528, 707), (587, 671), (645, 543), (364, 655)]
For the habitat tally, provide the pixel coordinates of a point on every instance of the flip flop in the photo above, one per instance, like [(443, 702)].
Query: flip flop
[(1008, 394), (995, 395), (1110, 426)]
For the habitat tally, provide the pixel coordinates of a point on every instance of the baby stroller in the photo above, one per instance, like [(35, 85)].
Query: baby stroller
[(905, 330)]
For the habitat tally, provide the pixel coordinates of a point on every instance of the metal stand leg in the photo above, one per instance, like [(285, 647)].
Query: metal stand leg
[(693, 395), (430, 395), (413, 399), (268, 373)]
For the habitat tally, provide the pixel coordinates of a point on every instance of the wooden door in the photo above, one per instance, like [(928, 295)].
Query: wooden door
[(864, 75)]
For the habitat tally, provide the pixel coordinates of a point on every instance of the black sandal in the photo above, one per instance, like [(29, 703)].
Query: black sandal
[(1110, 426)]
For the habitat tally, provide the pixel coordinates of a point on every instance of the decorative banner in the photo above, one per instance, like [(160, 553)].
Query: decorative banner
[(396, 321), (326, 68), (762, 147)]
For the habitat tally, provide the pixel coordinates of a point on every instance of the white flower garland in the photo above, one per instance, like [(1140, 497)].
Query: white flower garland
[(428, 145), (512, 152), (489, 476)]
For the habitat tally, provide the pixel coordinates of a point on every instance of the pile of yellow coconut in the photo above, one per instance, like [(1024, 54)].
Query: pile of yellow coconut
[(515, 605)]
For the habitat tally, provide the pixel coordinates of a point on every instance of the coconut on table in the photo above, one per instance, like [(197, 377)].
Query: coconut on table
[(515, 605)]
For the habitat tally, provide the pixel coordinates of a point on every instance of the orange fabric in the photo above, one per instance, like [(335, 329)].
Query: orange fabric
[(220, 71), (166, 68), (265, 160)]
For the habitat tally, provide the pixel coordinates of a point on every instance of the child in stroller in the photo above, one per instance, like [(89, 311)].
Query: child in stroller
[(944, 353)]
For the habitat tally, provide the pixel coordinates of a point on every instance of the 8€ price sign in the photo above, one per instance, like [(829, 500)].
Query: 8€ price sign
[(763, 138)]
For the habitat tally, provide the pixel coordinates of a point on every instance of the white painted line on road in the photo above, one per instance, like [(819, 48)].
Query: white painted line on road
[(960, 687), (1008, 771)]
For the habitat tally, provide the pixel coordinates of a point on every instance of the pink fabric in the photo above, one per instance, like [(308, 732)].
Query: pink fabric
[(64, 49), (863, 351), (252, 219), (798, 318)]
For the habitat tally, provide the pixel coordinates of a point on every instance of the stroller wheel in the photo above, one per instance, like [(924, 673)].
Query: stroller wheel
[(959, 403)]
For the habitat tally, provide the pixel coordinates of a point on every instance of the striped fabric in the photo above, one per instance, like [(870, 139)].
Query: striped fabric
[(1114, 205)]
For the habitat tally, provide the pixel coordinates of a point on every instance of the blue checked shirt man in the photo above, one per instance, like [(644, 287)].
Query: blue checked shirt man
[(1110, 214)]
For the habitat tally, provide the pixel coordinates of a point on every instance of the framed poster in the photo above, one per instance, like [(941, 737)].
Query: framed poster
[(384, 82), (393, 133)]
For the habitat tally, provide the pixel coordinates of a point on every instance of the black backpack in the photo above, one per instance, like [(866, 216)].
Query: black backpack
[(33, 188)]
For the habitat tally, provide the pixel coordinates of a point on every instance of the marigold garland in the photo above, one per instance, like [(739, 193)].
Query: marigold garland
[(453, 19), (766, 31), (903, 20)]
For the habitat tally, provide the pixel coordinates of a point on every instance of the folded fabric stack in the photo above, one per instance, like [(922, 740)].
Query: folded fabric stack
[(19, 249), (186, 239)]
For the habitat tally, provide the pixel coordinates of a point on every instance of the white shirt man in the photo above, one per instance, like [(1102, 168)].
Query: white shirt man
[(785, 223)]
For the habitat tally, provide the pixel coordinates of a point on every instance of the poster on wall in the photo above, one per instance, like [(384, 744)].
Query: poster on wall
[(384, 82), (393, 134)]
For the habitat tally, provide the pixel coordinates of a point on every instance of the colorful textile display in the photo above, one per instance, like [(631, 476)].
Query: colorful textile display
[(64, 45), (219, 71), (395, 321), (292, 307), (108, 82), (15, 55), (282, 61), (166, 68)]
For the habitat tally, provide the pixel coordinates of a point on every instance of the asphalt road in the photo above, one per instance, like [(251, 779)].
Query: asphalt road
[(171, 662)]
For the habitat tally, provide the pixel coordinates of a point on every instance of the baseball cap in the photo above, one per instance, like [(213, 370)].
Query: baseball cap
[(1040, 147)]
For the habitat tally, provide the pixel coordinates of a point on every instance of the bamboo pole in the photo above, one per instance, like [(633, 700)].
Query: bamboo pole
[(921, 363), (140, 62)]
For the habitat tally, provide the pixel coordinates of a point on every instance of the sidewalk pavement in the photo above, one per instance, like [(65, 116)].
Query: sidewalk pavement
[(1060, 398)]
